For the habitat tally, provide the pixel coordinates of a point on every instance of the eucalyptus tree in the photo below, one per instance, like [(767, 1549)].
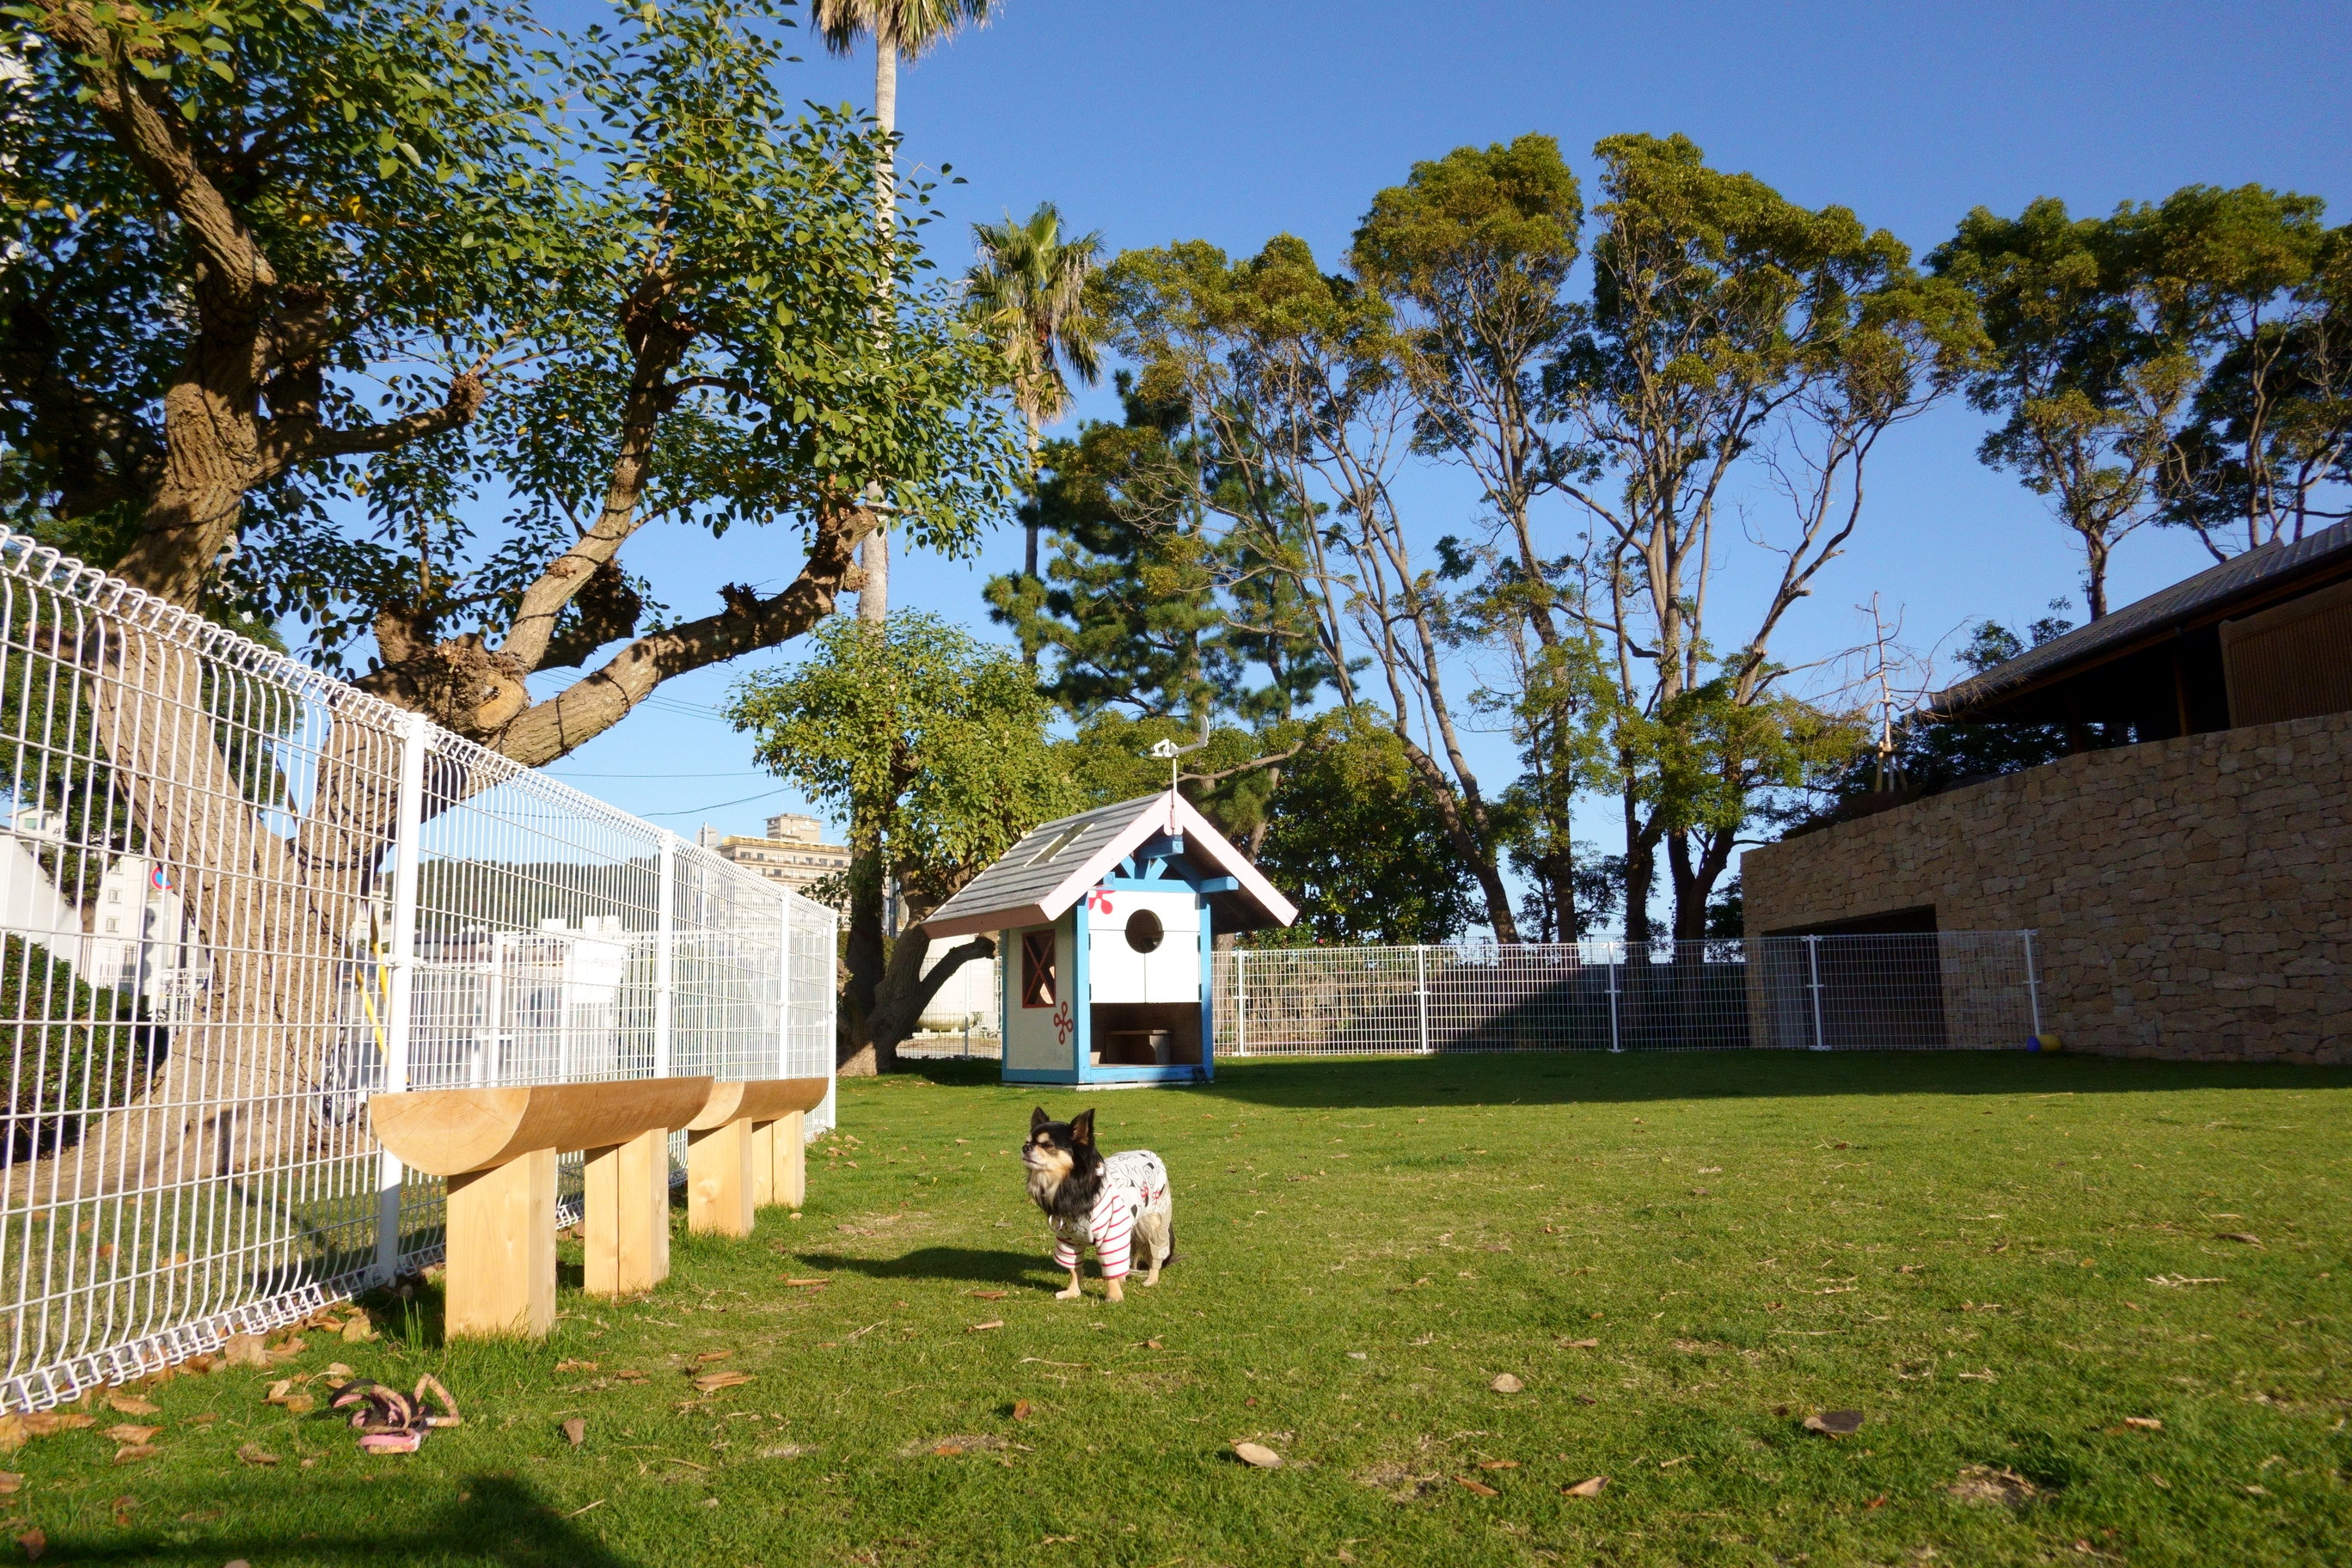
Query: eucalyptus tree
[(1297, 426), (899, 28), (2187, 361), (1030, 285), (1474, 252), (2088, 384), (1735, 339)]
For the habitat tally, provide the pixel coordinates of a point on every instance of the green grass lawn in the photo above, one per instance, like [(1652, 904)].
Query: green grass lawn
[(2003, 1261)]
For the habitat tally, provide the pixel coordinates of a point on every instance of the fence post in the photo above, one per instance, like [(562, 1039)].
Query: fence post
[(1241, 1002), (784, 983), (1813, 967), (1619, 952), (2032, 985), (1421, 991), (664, 941), (400, 1005)]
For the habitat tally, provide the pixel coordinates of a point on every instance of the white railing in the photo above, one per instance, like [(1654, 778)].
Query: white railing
[(237, 897), (1941, 991)]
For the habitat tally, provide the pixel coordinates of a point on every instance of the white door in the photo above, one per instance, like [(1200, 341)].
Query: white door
[(1146, 948)]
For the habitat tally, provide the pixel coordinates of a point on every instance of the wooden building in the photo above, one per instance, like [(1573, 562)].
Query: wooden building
[(2264, 636)]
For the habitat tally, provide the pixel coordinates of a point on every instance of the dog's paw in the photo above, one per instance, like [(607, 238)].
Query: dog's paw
[(1072, 1294)]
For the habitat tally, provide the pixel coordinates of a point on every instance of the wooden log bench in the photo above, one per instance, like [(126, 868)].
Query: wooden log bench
[(746, 1150), (497, 1148)]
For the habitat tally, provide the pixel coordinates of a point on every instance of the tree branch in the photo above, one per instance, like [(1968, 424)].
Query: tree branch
[(597, 701)]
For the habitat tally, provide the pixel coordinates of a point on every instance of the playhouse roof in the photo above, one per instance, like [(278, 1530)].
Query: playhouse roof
[(1052, 868)]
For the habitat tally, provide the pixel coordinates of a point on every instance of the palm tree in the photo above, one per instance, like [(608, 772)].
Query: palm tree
[(911, 28), (1030, 287)]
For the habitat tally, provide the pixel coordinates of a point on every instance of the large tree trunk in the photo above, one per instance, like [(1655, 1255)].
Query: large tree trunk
[(906, 991)]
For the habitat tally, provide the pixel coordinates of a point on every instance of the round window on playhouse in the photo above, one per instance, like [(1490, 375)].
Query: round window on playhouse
[(1144, 931)]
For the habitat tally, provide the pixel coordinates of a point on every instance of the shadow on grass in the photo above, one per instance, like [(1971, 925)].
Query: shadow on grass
[(1597, 1077), (970, 1264), (503, 1521)]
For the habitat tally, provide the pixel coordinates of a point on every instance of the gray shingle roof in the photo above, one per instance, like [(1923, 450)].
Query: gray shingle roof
[(1040, 861), (2191, 599)]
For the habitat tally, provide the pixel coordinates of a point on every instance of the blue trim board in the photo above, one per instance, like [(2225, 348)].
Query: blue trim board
[(1082, 995), (1208, 998), (1038, 1075), (1175, 1073)]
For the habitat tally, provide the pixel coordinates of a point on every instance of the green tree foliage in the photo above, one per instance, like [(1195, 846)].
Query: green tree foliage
[(2185, 362), (625, 280), (1353, 840), (72, 1048), (1732, 337), (1159, 619), (934, 748)]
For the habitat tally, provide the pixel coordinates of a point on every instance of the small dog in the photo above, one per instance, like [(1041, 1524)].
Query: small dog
[(1113, 1203)]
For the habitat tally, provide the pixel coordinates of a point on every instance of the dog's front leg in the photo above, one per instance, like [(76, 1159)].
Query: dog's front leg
[(1073, 1293), (1111, 1293)]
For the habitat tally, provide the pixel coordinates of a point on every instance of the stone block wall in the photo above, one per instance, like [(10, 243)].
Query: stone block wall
[(2191, 898)]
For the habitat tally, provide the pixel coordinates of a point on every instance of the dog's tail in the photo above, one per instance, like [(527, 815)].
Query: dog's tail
[(1172, 1254)]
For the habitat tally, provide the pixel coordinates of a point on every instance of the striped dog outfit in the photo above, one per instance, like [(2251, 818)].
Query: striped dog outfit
[(1133, 1181)]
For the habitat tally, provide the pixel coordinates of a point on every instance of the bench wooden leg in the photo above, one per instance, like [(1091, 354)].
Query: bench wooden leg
[(501, 1264), (764, 1164), (791, 1160), (719, 1181), (627, 1219)]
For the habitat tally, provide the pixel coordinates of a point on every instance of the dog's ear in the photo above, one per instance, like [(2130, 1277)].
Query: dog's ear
[(1082, 1128), (1037, 1118)]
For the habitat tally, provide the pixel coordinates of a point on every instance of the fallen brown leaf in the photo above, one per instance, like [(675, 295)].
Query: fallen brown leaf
[(1154, 1344), (126, 1432), (131, 1405), (337, 1369), (1258, 1455), (45, 1423), (1020, 1410), (1481, 1488), (255, 1454), (806, 1283), (1878, 1501), (564, 1366), (11, 1483), (358, 1331), (288, 1349), (711, 1383), (1498, 1464), (983, 1328), (1835, 1423), (1506, 1384), (133, 1453), (1586, 1488), (33, 1542), (1583, 1344), (245, 1350), (575, 1431), (2147, 1423), (989, 1295)]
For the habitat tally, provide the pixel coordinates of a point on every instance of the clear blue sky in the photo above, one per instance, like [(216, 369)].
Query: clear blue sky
[(1234, 121)]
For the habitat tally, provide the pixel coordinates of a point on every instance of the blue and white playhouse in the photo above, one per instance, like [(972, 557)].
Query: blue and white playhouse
[(1106, 923)]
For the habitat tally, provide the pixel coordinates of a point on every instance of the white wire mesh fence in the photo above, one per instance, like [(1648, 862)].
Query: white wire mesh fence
[(237, 898), (1939, 991)]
